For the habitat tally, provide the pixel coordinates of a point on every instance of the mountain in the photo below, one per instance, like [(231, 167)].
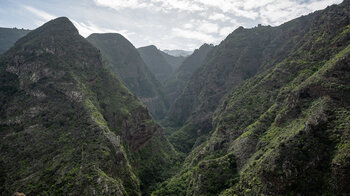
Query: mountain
[(178, 52), (123, 59), (156, 62), (68, 125), (277, 102), (174, 61), (178, 80), (242, 55), (8, 36)]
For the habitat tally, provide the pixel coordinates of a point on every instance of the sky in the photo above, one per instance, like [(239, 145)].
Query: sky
[(168, 24)]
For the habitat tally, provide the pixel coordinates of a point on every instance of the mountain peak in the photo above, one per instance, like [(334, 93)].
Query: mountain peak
[(61, 24), (152, 47), (60, 28), (206, 46)]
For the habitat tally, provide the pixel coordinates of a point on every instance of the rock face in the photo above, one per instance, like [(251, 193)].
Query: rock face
[(276, 100), (241, 56), (123, 59), (178, 80), (156, 62), (9, 36), (68, 125)]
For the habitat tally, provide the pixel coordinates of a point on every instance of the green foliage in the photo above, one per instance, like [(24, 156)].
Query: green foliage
[(176, 83), (123, 59), (68, 125), (285, 123)]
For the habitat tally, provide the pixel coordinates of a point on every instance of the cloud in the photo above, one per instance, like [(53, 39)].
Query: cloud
[(86, 29), (219, 16), (188, 26), (226, 30), (271, 12), (157, 5), (166, 23), (278, 12), (317, 5), (116, 4), (197, 35), (39, 13), (253, 4), (207, 27), (182, 5)]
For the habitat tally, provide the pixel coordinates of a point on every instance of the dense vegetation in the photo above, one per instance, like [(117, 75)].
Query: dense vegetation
[(179, 78), (266, 112), (8, 36), (282, 126), (69, 126), (123, 59)]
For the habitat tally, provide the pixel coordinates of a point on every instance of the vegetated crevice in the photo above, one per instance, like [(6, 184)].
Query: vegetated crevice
[(69, 126), (284, 125)]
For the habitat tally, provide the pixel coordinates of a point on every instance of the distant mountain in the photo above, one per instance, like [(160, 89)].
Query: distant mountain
[(68, 126), (267, 113), (156, 62), (178, 52), (174, 61), (8, 36), (124, 60), (178, 80)]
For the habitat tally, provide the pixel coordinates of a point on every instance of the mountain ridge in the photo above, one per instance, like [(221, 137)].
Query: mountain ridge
[(177, 81), (124, 60), (283, 131), (68, 125), (8, 36), (156, 62)]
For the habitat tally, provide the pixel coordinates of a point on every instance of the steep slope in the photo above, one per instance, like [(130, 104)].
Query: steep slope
[(242, 55), (156, 62), (123, 59), (174, 61), (284, 131), (178, 80), (8, 36), (68, 126)]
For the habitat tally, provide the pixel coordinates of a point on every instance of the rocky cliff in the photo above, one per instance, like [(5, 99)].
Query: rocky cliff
[(281, 126), (68, 125), (123, 59)]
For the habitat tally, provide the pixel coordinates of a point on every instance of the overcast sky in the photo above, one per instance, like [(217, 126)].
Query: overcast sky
[(168, 24)]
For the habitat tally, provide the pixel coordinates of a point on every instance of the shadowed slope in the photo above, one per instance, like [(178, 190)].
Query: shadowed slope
[(68, 126)]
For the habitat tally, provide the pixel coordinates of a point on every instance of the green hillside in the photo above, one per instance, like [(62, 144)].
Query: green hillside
[(69, 126), (122, 58), (178, 79), (280, 130)]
